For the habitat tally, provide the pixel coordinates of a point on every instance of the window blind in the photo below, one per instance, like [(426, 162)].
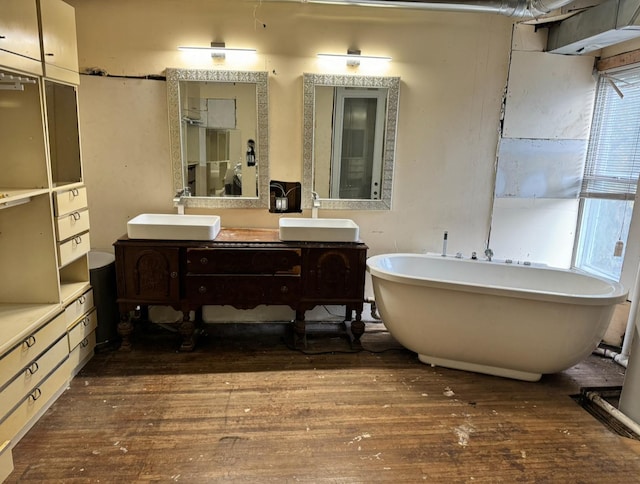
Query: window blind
[(613, 158)]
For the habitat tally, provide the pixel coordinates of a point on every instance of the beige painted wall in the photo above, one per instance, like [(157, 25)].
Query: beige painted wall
[(453, 69)]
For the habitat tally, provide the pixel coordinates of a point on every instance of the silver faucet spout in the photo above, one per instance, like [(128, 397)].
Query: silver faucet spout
[(488, 253), (315, 204), (179, 199)]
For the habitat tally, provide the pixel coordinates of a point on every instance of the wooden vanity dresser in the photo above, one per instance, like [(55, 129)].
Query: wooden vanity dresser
[(242, 268)]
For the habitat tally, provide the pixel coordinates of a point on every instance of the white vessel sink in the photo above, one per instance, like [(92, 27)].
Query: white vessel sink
[(319, 229), (161, 226)]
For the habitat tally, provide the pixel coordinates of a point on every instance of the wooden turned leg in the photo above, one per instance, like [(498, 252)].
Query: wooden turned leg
[(188, 331), (299, 329), (125, 328), (357, 327)]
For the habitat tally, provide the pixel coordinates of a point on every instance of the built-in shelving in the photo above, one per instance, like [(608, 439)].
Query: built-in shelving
[(47, 313)]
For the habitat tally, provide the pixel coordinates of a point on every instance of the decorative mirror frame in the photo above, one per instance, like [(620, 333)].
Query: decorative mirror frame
[(261, 80), (310, 81)]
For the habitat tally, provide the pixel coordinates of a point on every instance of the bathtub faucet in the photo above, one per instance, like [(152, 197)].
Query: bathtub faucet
[(444, 244), (488, 253)]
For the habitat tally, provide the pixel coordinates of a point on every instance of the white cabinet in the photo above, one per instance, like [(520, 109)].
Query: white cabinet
[(59, 44), (29, 356), (23, 165), (19, 41), (72, 216), (82, 321), (61, 102), (6, 460), (47, 313)]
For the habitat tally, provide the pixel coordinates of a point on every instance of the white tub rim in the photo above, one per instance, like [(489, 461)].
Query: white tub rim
[(616, 295)]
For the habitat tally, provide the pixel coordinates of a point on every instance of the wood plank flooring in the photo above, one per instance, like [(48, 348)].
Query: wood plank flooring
[(251, 409)]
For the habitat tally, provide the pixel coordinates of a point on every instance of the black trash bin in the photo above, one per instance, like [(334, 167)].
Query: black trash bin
[(102, 274)]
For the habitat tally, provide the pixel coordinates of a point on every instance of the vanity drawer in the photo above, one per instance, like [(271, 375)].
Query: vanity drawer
[(35, 401), (72, 200), (243, 291), (73, 248), (82, 329), (21, 355), (72, 224), (78, 307), (244, 261), (32, 375)]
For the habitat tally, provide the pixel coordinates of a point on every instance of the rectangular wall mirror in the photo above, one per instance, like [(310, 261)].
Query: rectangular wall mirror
[(218, 124), (349, 140)]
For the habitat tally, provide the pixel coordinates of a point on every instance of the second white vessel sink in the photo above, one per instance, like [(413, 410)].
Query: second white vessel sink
[(319, 229), (169, 226)]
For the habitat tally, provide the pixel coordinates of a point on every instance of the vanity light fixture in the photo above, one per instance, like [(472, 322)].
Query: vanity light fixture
[(218, 50), (354, 57)]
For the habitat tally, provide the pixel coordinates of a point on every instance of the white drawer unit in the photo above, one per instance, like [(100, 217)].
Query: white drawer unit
[(78, 307), (31, 376), (32, 372), (18, 422), (82, 329), (23, 354), (82, 353), (72, 249), (81, 337), (72, 200), (72, 224), (6, 460)]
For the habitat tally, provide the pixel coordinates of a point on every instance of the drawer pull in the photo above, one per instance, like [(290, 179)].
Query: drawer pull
[(78, 240), (37, 393), (30, 341), (204, 261), (284, 289), (173, 275), (33, 368), (49, 54), (76, 216), (202, 289), (84, 343), (82, 300), (75, 191), (85, 322)]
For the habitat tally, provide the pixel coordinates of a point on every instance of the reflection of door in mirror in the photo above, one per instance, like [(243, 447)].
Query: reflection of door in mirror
[(357, 143), (349, 128)]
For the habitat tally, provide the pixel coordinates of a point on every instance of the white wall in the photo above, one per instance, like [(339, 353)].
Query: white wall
[(453, 68)]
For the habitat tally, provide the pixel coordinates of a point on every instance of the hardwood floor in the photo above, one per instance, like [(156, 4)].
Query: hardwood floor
[(251, 409)]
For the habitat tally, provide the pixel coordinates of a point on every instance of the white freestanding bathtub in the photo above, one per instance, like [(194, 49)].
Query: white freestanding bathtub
[(491, 317)]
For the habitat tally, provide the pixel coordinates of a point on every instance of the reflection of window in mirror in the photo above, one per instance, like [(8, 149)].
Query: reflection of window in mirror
[(214, 150), (212, 117), (358, 136)]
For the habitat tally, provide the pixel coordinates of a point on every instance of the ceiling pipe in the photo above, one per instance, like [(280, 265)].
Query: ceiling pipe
[(510, 8)]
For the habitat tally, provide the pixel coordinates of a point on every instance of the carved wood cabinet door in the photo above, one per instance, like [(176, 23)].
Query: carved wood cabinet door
[(152, 274), (334, 274)]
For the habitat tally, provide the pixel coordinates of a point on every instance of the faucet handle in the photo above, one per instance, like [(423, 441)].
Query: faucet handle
[(316, 199), (186, 192)]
